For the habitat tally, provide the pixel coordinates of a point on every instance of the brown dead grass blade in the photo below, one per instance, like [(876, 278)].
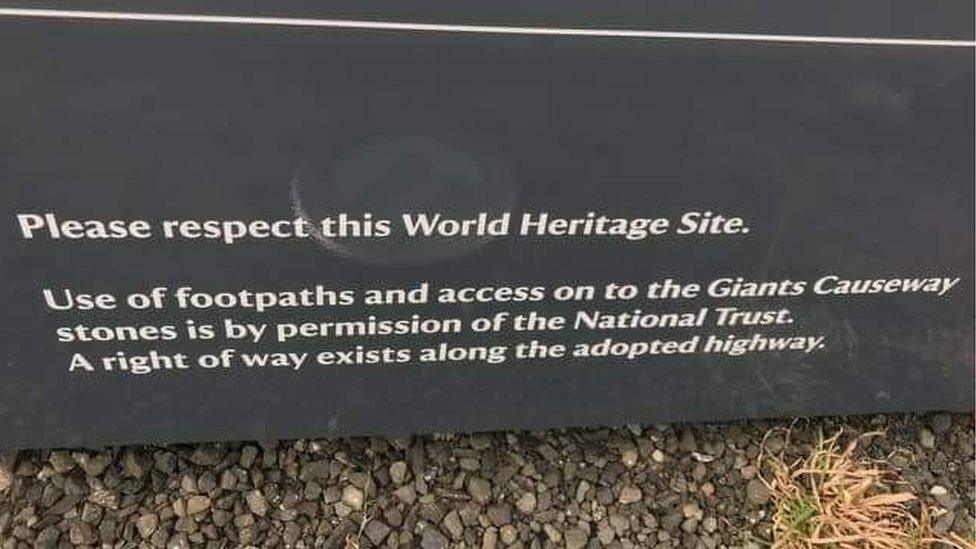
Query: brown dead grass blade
[(834, 499)]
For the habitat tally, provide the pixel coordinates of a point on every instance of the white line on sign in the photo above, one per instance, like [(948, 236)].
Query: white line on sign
[(353, 24)]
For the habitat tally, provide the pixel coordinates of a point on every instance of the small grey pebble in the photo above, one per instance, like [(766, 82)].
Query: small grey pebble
[(756, 492)]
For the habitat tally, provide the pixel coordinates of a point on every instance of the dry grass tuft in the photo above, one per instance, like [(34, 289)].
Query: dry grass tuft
[(835, 499)]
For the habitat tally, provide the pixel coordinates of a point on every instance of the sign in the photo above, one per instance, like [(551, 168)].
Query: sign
[(235, 221)]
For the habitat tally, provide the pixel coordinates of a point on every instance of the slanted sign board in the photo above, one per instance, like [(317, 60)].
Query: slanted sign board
[(248, 220)]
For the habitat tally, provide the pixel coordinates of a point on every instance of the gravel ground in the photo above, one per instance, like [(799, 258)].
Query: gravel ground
[(653, 486)]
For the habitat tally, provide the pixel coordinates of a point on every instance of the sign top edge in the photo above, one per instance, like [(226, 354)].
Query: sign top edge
[(455, 28), (866, 20)]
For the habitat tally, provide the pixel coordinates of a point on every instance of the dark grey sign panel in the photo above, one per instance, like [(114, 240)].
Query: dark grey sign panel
[(227, 221)]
